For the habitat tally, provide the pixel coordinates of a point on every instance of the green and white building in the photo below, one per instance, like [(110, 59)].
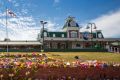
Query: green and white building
[(71, 38)]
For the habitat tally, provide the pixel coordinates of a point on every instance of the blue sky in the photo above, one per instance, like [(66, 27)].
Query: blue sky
[(30, 12)]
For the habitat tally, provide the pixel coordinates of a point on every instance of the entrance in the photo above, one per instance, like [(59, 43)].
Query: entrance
[(61, 46)]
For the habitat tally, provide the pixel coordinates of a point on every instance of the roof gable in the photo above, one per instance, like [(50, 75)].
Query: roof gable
[(70, 22)]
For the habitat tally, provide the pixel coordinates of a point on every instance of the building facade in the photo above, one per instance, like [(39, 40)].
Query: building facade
[(71, 38), (19, 45)]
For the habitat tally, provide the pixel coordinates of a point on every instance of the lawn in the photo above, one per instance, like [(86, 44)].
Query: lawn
[(100, 56), (69, 56)]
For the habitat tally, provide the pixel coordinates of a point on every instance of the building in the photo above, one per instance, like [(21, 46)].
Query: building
[(69, 39), (114, 47), (20, 46)]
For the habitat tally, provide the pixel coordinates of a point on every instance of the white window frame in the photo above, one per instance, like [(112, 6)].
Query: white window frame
[(54, 35), (63, 35), (45, 34), (74, 34)]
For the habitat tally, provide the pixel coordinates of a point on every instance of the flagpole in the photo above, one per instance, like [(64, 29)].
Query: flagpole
[(7, 29)]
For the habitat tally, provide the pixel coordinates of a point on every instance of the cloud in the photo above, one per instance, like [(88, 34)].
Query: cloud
[(20, 28), (109, 24), (14, 2), (52, 26), (56, 1), (23, 28)]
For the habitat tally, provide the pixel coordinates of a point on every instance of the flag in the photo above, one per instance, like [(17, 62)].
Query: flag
[(10, 13)]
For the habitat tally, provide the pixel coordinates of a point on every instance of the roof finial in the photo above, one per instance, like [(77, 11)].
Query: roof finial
[(70, 18)]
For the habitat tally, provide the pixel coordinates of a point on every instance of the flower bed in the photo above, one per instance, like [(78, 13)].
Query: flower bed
[(41, 67)]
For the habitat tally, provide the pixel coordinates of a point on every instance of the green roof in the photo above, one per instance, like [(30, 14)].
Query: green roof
[(64, 34), (57, 34)]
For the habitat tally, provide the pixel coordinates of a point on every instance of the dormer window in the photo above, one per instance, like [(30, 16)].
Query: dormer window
[(100, 35), (53, 35), (73, 34), (73, 24), (63, 35)]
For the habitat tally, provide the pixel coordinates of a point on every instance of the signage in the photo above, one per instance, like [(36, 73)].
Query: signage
[(86, 35)]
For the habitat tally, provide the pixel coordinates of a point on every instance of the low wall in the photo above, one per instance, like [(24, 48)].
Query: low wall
[(76, 50), (55, 50)]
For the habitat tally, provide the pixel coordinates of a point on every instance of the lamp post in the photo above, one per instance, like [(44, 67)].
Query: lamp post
[(91, 26), (43, 23)]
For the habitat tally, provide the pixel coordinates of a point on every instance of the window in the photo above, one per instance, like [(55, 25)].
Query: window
[(73, 34), (73, 24), (53, 35), (62, 35), (45, 34), (77, 45), (99, 35)]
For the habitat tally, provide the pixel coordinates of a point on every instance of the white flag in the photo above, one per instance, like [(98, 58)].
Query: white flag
[(10, 13)]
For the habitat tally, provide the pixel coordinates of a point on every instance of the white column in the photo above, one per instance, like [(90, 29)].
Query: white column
[(108, 48), (67, 34), (115, 50), (118, 51), (111, 49)]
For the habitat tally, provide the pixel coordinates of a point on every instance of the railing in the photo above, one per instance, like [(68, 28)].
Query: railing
[(79, 39)]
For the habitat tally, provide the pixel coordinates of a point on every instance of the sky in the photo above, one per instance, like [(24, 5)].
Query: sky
[(26, 25)]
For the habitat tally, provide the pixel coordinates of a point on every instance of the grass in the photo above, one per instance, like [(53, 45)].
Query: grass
[(69, 56), (100, 56)]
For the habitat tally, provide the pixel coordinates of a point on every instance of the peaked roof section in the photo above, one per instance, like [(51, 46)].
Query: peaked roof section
[(70, 22)]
